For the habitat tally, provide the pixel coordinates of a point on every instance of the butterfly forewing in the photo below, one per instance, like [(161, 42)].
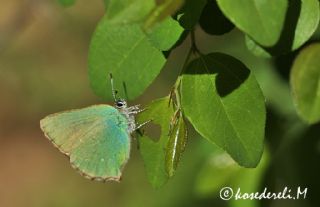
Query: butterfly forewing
[(96, 139)]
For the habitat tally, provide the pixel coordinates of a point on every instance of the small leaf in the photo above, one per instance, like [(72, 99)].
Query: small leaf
[(181, 39), (223, 101), (176, 145), (66, 3), (305, 83), (164, 9), (128, 11), (124, 51), (302, 20), (165, 34), (212, 21), (190, 13), (262, 20), (153, 153)]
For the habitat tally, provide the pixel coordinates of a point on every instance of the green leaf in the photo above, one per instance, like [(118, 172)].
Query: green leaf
[(307, 23), (176, 145), (212, 21), (165, 34), (153, 153), (181, 39), (128, 11), (301, 22), (262, 20), (164, 9), (66, 3), (190, 13), (305, 83), (223, 101), (124, 51)]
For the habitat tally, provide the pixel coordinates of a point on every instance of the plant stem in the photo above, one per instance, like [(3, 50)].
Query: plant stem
[(193, 50)]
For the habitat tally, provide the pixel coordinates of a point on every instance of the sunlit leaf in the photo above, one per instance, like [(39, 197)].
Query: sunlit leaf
[(223, 101), (181, 39), (126, 52), (305, 83), (307, 23), (262, 20), (153, 153), (303, 19), (128, 11), (164, 35)]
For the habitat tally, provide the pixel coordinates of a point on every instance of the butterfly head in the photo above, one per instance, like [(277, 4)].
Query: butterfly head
[(120, 104)]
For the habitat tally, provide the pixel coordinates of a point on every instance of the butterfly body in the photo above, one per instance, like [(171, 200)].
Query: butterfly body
[(96, 138)]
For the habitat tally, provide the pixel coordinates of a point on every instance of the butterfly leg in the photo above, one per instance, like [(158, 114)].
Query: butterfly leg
[(141, 125), (135, 110)]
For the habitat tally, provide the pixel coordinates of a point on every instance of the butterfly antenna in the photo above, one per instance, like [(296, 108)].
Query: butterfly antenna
[(114, 92), (125, 90)]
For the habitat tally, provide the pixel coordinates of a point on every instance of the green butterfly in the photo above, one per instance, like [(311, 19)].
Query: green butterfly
[(96, 138)]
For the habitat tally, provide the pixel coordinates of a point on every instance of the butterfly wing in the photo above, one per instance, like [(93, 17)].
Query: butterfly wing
[(95, 138)]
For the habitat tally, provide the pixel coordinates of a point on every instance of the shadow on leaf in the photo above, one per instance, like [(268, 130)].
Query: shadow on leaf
[(230, 72)]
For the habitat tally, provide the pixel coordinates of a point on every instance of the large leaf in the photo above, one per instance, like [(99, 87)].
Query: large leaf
[(223, 101), (305, 83), (128, 11), (164, 35), (124, 51), (190, 13), (260, 19), (301, 22), (154, 153)]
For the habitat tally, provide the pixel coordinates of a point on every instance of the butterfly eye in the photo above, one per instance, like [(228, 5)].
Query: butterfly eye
[(120, 104)]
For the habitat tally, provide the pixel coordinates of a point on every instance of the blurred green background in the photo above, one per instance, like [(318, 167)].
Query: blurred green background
[(43, 69)]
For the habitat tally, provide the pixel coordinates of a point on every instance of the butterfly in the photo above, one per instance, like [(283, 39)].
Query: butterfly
[(96, 138)]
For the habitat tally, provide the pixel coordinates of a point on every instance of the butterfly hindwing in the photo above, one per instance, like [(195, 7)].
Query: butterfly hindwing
[(95, 138)]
